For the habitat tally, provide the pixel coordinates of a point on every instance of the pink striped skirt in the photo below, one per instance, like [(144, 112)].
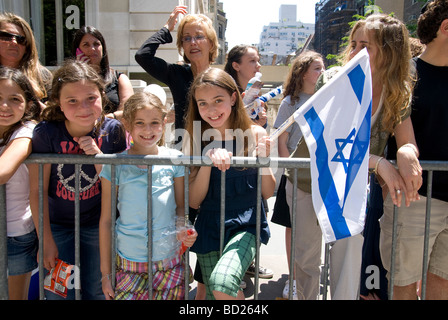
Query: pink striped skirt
[(168, 279)]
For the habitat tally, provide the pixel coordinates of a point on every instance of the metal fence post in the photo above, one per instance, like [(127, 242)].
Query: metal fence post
[(426, 238), (149, 210), (4, 294), (77, 233)]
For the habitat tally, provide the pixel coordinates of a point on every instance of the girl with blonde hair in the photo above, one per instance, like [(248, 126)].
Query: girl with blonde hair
[(144, 117), (387, 42)]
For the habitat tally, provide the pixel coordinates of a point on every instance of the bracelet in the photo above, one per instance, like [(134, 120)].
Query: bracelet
[(106, 276), (375, 170), (115, 117), (410, 145)]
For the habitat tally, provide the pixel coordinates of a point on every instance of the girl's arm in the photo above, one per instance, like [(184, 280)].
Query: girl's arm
[(263, 149), (50, 248), (408, 178), (105, 226), (200, 178), (282, 143), (407, 159), (199, 181), (179, 196), (16, 151)]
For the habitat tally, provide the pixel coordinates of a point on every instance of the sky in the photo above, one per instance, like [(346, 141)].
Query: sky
[(246, 18)]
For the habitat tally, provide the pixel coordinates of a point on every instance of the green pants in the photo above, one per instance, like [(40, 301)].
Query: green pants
[(225, 273)]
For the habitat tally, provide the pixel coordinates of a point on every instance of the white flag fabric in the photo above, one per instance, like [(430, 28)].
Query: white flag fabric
[(335, 123)]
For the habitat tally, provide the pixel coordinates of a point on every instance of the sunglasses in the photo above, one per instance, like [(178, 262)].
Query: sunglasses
[(189, 39), (6, 36)]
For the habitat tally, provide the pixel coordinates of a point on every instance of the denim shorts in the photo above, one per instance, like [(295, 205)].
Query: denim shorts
[(22, 253)]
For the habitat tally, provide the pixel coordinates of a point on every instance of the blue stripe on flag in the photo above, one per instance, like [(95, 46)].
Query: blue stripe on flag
[(357, 79), (359, 150), (327, 187), (360, 146)]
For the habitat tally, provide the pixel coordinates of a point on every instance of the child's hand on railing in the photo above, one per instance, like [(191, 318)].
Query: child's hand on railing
[(220, 158), (264, 147)]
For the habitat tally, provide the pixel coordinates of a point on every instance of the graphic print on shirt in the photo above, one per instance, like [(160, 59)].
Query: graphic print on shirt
[(88, 179)]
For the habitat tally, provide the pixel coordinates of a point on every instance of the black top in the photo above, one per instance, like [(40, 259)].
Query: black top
[(178, 77), (113, 94), (430, 118)]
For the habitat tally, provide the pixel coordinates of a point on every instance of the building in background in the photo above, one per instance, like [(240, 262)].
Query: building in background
[(333, 17), (279, 40), (125, 24), (407, 11), (332, 24)]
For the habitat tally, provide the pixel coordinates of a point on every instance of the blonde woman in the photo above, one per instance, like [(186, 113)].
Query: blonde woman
[(196, 41)]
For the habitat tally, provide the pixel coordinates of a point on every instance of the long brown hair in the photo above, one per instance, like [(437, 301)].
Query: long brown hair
[(238, 118), (392, 64), (294, 81), (105, 71), (70, 72), (235, 55), (32, 107)]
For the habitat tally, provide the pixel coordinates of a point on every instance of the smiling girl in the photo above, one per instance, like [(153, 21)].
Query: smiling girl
[(73, 123), (19, 108), (217, 106), (144, 117)]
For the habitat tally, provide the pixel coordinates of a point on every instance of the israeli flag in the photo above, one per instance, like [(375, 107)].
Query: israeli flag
[(335, 123)]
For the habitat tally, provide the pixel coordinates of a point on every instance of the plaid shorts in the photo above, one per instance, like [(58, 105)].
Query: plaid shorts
[(168, 279), (225, 273)]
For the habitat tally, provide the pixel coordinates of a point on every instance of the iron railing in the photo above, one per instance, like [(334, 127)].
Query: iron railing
[(149, 161)]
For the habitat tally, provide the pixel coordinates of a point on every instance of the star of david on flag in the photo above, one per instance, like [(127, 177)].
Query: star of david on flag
[(335, 123)]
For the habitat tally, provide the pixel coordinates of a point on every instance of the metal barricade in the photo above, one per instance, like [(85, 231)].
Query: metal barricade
[(149, 161)]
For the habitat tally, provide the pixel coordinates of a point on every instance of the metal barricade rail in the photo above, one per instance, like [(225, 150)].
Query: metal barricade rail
[(149, 161)]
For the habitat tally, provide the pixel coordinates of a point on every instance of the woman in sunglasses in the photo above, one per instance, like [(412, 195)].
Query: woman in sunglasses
[(18, 51), (197, 43)]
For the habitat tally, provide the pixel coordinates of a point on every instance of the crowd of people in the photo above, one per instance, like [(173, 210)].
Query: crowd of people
[(86, 107)]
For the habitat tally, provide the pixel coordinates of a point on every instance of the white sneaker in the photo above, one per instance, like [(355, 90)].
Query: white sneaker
[(286, 291)]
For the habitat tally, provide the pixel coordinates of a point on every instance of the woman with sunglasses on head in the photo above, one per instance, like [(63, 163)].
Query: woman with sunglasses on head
[(196, 41), (18, 51)]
